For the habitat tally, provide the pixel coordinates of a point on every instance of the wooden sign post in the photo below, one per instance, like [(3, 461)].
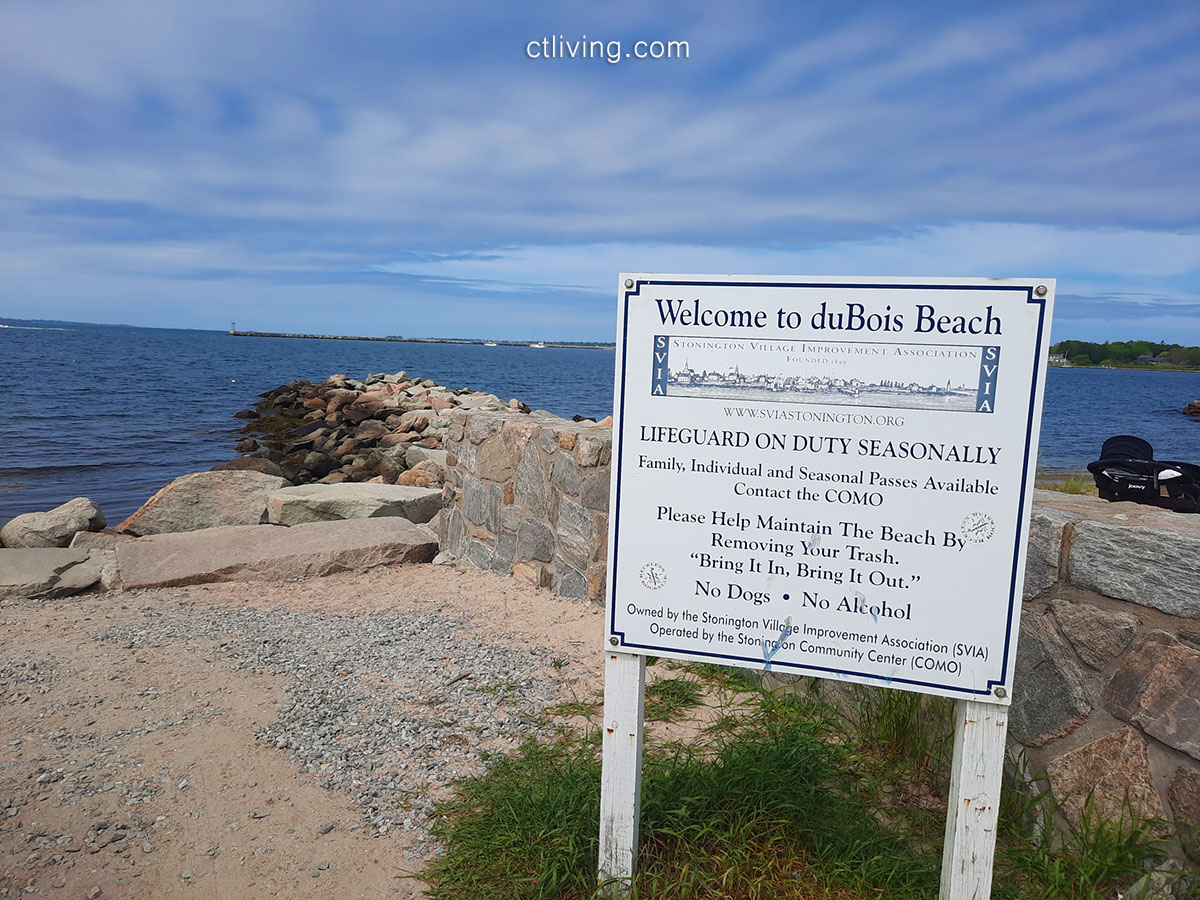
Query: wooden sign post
[(807, 471)]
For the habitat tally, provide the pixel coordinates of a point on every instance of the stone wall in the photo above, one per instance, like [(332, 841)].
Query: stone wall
[(527, 495), (1107, 689)]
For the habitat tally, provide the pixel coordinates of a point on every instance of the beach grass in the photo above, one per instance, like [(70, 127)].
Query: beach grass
[(784, 795)]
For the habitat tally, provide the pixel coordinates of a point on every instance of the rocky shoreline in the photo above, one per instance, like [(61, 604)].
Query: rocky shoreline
[(318, 457), (384, 429)]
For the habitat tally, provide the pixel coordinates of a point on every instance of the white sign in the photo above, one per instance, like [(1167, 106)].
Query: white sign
[(827, 476)]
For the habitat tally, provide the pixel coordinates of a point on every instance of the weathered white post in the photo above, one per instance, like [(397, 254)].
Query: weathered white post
[(974, 803), (621, 777)]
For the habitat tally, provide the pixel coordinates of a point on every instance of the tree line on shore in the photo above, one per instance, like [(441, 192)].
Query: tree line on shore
[(1127, 353)]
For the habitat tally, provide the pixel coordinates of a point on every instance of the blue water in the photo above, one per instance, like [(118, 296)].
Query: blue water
[(115, 413)]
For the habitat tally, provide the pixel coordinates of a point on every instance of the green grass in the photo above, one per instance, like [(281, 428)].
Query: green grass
[(669, 698), (902, 729), (1090, 859), (791, 797), (1075, 483), (741, 819)]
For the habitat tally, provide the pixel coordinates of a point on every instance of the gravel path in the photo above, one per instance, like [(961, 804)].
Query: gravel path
[(384, 707), (250, 736)]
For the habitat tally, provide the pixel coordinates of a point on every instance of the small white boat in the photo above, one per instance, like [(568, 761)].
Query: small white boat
[(539, 345), (489, 343)]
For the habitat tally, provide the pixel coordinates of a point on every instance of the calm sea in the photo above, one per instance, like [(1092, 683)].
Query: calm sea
[(115, 413)]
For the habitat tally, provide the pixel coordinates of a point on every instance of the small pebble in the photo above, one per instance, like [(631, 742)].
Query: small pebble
[(94, 892), (326, 828)]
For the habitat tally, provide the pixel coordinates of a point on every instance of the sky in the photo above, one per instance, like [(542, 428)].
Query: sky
[(422, 169)]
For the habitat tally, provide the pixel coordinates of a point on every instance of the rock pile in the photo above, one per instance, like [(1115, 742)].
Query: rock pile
[(319, 455), (1192, 408), (386, 429)]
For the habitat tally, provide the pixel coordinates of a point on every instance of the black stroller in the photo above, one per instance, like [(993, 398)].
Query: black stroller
[(1127, 470)]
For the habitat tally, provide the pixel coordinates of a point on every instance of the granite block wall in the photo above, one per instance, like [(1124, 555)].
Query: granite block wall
[(1107, 689), (527, 495)]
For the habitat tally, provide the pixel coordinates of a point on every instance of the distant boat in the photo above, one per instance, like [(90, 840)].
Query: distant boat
[(539, 345), (489, 343)]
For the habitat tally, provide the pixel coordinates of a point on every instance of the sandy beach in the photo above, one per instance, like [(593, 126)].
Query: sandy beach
[(266, 740)]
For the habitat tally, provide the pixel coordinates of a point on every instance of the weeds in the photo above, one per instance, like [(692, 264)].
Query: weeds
[(669, 698), (784, 797), (903, 729), (1075, 483), (1084, 859)]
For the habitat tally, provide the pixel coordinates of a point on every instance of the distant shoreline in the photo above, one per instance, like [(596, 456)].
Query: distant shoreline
[(415, 340), (1166, 367)]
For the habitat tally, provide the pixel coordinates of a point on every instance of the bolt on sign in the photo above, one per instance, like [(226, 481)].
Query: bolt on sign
[(827, 477)]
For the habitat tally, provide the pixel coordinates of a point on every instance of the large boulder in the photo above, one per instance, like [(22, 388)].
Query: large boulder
[(267, 553), (53, 528), (49, 572), (205, 500), (330, 502)]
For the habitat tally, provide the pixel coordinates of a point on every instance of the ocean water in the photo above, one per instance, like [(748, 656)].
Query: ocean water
[(115, 413)]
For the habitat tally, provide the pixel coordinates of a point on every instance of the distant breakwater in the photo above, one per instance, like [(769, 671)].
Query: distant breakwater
[(416, 340)]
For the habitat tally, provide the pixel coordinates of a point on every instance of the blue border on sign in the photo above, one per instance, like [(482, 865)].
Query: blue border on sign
[(1015, 577)]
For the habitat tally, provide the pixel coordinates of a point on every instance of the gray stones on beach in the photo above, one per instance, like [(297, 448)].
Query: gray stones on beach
[(266, 553), (392, 745), (330, 502), (204, 500), (53, 528)]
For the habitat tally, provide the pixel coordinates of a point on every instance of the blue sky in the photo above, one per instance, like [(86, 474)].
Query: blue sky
[(407, 168)]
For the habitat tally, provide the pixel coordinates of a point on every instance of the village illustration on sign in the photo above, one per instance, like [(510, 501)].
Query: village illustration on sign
[(958, 378)]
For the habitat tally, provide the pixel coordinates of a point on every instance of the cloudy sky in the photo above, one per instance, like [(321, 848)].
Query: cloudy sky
[(410, 168)]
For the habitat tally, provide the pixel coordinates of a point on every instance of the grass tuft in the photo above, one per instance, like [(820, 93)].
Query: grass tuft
[(669, 698)]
